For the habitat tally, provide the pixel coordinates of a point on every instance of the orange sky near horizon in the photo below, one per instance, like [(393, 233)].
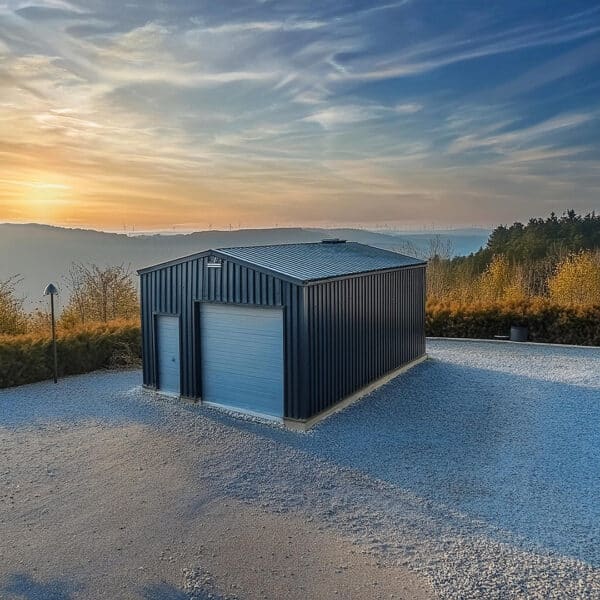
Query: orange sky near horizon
[(74, 175), (63, 183), (180, 116)]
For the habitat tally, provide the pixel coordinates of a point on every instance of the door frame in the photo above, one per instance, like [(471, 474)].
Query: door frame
[(155, 357), (197, 360)]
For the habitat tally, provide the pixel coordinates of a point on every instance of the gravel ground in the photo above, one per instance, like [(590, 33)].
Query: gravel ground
[(476, 474)]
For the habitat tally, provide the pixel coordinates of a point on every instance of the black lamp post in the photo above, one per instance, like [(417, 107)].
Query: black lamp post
[(51, 291)]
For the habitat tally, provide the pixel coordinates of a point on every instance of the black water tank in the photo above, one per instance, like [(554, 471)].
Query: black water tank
[(518, 333)]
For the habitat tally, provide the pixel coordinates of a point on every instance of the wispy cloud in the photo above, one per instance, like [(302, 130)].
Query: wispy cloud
[(565, 65), (61, 5), (468, 45), (542, 153), (257, 113), (342, 115), (258, 26), (408, 108), (522, 136)]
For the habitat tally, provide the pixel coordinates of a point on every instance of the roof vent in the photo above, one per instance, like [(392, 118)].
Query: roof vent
[(333, 241)]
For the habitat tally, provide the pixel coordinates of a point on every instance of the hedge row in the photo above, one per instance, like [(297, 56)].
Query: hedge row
[(546, 322), (29, 358)]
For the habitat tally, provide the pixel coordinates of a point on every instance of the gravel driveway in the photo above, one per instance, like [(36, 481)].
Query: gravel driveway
[(476, 474)]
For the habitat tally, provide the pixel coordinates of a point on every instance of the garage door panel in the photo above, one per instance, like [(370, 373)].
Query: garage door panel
[(242, 357), (245, 355), (246, 339), (241, 368), (167, 346), (222, 393)]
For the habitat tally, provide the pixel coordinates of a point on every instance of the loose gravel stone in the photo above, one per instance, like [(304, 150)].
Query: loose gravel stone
[(477, 469)]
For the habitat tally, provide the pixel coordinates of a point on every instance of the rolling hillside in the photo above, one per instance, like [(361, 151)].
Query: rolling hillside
[(41, 253)]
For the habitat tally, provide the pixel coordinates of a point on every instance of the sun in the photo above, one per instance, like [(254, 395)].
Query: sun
[(43, 199)]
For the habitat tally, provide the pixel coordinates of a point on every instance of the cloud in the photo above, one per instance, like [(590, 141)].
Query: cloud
[(384, 7), (542, 153), (408, 108), (259, 26), (520, 137), (451, 49), (310, 97), (565, 65), (263, 114), (155, 53), (343, 115), (56, 5)]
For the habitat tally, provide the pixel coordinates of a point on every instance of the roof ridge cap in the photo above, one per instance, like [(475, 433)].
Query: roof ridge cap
[(277, 245)]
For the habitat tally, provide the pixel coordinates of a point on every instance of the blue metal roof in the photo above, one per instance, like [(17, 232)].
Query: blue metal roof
[(321, 260)]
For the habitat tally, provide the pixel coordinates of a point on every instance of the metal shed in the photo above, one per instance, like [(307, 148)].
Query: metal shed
[(288, 331)]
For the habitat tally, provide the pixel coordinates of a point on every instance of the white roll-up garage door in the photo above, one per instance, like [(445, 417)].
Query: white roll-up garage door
[(241, 355), (167, 350)]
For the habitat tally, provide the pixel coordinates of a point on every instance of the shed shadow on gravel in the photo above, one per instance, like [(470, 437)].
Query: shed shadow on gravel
[(25, 586), (518, 452), (521, 454), (164, 591)]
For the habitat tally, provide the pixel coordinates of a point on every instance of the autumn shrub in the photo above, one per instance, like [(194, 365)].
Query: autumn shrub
[(576, 280), (13, 319), (28, 358), (500, 282), (547, 321), (99, 295)]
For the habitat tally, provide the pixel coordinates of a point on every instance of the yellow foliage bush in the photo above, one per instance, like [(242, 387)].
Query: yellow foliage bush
[(501, 282), (576, 280), (13, 319)]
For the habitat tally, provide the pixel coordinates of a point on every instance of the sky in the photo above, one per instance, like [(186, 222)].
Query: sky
[(187, 115)]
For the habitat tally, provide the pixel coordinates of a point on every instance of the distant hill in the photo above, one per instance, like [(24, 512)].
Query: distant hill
[(42, 253), (462, 241)]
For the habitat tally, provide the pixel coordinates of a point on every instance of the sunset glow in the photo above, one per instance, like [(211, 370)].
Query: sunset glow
[(242, 114)]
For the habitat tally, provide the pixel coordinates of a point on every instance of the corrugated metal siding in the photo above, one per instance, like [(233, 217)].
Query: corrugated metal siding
[(359, 329), (339, 335), (176, 288)]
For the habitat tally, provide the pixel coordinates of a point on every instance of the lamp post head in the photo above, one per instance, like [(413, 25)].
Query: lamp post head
[(52, 291)]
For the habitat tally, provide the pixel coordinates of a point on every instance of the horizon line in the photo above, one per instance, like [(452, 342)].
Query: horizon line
[(133, 232)]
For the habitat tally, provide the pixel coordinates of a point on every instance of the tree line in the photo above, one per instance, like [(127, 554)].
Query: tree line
[(557, 258)]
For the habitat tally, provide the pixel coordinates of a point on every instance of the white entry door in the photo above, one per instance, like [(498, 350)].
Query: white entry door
[(167, 350)]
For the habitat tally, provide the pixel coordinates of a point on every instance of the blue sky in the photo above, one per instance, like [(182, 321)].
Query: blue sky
[(198, 114)]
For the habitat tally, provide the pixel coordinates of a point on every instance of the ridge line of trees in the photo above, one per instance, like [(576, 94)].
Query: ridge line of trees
[(557, 258)]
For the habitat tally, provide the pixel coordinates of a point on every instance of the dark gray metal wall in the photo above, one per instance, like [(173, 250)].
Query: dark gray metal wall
[(340, 334), (361, 328), (175, 289)]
